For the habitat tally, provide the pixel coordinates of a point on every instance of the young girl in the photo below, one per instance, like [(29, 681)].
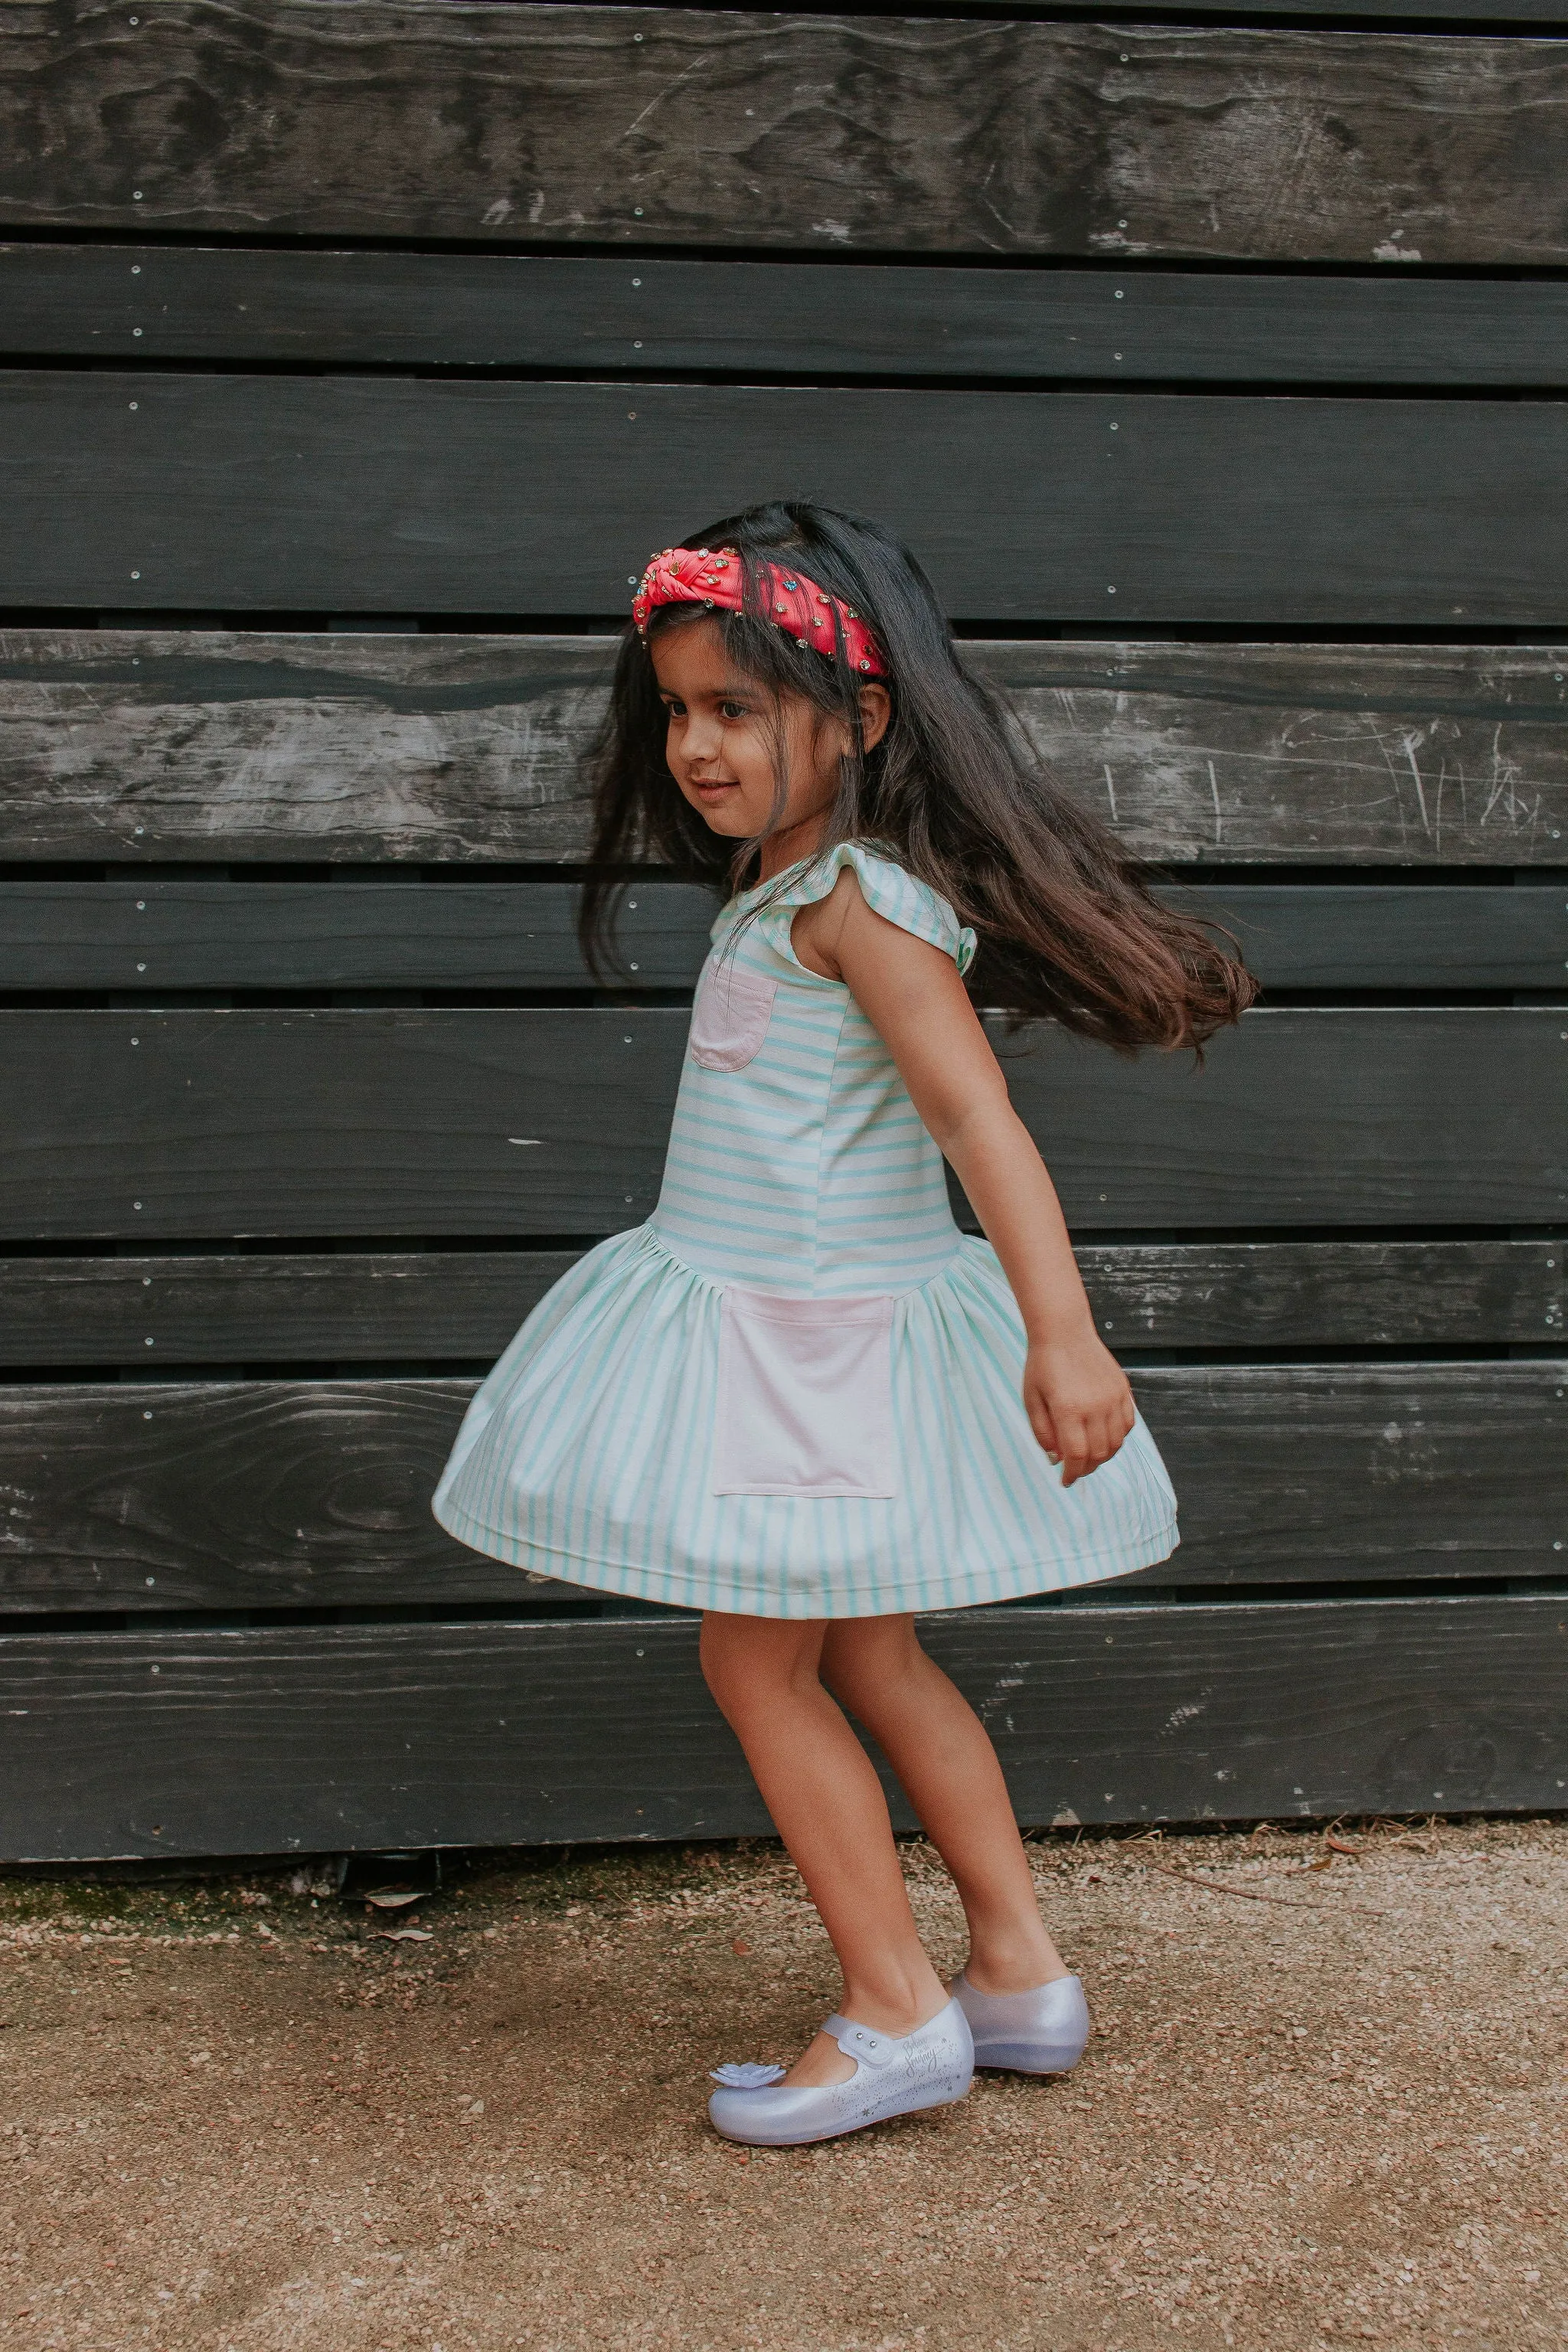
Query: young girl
[(798, 1399)]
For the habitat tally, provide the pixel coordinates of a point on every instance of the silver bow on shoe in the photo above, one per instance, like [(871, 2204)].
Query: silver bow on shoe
[(895, 2075)]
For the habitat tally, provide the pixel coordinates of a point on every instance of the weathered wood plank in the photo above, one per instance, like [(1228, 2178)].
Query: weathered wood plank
[(382, 1307), (278, 1494), (292, 935), (161, 935), (1246, 1295), (200, 1124), (1431, 1464), (203, 744), (1407, 754), (148, 302), (343, 1737), (382, 493), (543, 124), (195, 744), (387, 1306), (237, 1495), (1487, 12)]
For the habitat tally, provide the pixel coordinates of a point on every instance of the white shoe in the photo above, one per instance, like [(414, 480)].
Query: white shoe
[(895, 2075), (1043, 2031)]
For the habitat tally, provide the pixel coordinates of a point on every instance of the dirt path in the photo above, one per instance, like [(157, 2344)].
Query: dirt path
[(229, 2121)]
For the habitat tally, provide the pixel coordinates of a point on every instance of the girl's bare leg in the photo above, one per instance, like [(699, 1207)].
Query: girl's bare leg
[(827, 1805), (943, 1755)]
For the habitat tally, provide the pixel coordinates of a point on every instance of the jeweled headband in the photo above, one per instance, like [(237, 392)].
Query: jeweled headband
[(703, 575)]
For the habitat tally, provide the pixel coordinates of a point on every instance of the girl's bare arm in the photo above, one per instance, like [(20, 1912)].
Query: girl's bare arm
[(1075, 1393)]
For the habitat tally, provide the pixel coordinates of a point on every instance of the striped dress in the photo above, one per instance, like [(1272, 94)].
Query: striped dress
[(796, 1391)]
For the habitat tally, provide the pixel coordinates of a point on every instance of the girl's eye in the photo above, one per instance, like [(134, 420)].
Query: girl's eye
[(675, 709), (731, 710)]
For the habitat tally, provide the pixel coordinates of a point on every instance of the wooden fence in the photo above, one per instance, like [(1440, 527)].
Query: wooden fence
[(351, 358)]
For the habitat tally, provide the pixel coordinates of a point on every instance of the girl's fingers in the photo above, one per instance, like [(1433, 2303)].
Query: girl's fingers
[(1041, 1422), (1078, 1441), (1092, 1441), (1077, 1453)]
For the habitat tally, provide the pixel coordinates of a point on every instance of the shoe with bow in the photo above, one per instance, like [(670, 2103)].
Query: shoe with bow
[(895, 2075)]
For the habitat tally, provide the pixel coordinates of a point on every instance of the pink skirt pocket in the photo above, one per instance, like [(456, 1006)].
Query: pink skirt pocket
[(806, 1396)]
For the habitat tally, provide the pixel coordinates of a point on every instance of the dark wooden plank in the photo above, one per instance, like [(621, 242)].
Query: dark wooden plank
[(200, 1124), (1492, 15), (344, 1737), (547, 124), (1246, 1295), (283, 935), (199, 744), (275, 1494), (289, 935), (237, 1495), (1402, 754), (207, 744), (368, 493), (1367, 937), (384, 1306), (152, 302), (381, 1307), (1308, 1117), (1315, 1474)]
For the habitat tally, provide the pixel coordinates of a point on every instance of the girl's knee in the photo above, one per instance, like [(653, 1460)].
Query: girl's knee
[(867, 1653), (748, 1661)]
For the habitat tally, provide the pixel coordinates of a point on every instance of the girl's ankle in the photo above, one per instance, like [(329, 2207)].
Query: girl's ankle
[(1023, 1967), (896, 2012)]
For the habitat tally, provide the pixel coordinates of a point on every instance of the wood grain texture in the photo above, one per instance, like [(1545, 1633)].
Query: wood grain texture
[(344, 1737), (161, 744), (1316, 1474), (237, 1495), (1498, 13), (281, 1494), (1402, 754), (203, 1124), (1302, 1295), (289, 307), (370, 493), (407, 118), (388, 1307), (156, 936)]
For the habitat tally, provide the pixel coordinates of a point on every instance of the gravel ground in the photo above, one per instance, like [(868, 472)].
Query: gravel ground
[(236, 2116)]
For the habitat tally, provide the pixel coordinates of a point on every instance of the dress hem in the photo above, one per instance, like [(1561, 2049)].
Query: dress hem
[(682, 1592)]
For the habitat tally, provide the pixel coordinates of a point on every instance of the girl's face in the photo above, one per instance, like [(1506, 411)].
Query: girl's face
[(727, 734)]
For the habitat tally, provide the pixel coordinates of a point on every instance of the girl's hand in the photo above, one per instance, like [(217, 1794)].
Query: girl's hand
[(1078, 1401)]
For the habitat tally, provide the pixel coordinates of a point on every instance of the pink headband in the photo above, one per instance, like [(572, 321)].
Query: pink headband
[(702, 575)]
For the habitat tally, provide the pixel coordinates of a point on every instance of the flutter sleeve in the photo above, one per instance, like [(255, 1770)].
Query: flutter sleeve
[(897, 896)]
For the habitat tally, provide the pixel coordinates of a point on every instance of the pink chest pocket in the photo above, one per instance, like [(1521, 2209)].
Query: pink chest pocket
[(729, 1018)]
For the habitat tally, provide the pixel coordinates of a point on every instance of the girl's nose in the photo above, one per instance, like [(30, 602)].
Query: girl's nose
[(704, 737)]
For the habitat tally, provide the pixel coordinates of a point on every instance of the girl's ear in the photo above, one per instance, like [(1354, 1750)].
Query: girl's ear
[(876, 710)]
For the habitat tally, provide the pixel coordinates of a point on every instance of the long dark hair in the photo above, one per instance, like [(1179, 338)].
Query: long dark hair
[(1065, 921)]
